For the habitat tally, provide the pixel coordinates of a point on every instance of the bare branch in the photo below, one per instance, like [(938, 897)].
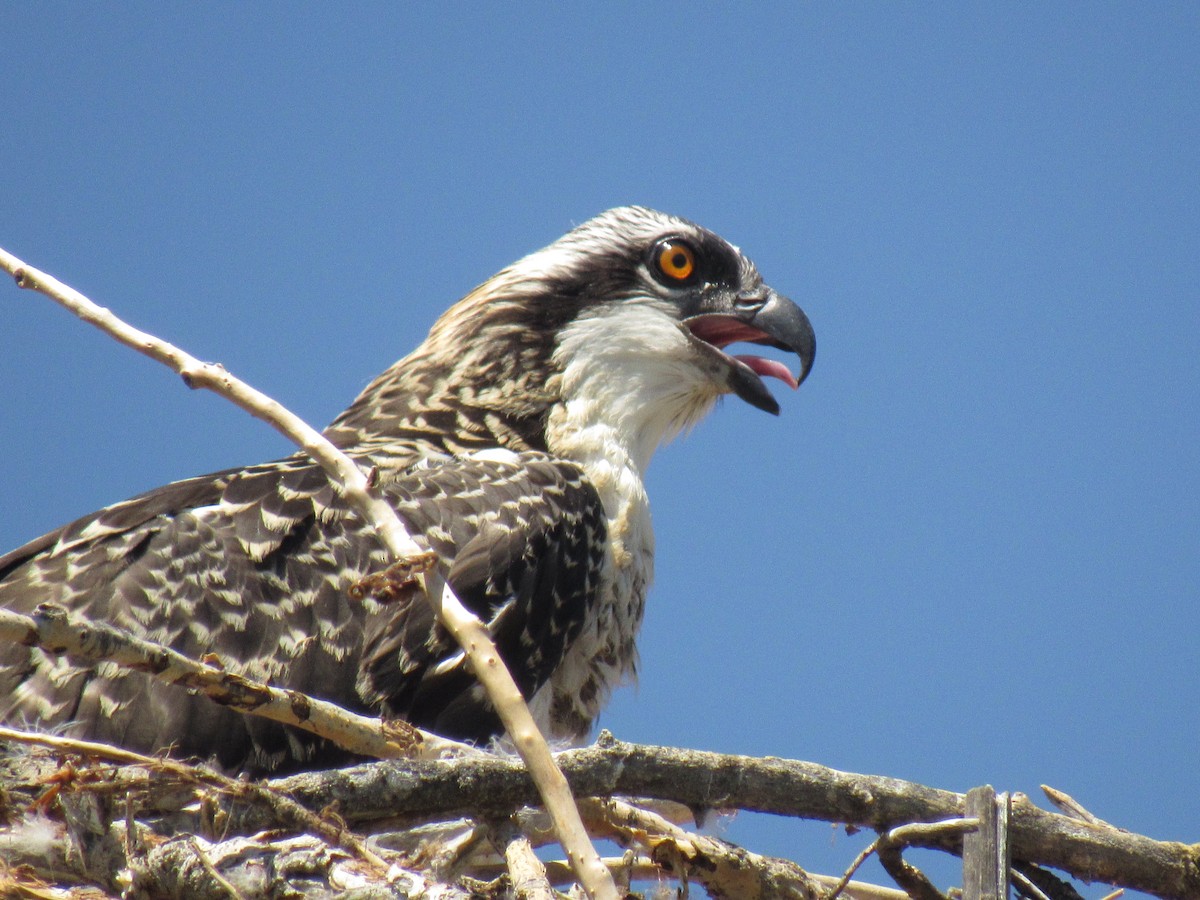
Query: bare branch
[(703, 780), (897, 838), (728, 872), (527, 873), (467, 629), (911, 880), (1037, 883), (52, 629), (386, 795), (1025, 887), (280, 808), (221, 883), (268, 866), (1069, 806), (858, 890)]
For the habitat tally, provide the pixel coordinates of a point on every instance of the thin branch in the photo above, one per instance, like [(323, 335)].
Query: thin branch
[(282, 809), (88, 749), (858, 890), (54, 630), (639, 867), (912, 880), (1069, 806), (470, 633), (1043, 884), (1025, 887), (728, 872), (211, 870), (270, 865), (898, 837)]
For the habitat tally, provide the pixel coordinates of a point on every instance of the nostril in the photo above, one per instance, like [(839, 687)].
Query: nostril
[(750, 302)]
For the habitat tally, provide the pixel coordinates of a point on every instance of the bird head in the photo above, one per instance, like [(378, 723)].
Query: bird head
[(631, 260), (626, 319)]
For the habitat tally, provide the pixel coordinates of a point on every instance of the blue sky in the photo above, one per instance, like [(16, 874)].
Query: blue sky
[(967, 552)]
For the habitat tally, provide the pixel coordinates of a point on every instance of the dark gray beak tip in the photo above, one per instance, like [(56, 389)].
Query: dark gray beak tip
[(790, 329), (806, 350)]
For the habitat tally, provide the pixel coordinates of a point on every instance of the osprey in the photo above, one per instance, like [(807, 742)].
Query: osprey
[(512, 443)]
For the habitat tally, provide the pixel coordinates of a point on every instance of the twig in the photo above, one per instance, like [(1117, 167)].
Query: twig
[(639, 867), (725, 870), (211, 870), (900, 836), (1041, 883), (52, 629), (270, 865), (858, 890), (470, 633), (912, 880), (88, 749), (283, 808), (1025, 887), (1069, 806)]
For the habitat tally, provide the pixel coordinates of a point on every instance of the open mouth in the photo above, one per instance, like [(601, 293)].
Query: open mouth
[(746, 371)]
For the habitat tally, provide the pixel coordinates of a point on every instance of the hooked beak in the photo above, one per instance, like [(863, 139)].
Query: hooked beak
[(769, 319)]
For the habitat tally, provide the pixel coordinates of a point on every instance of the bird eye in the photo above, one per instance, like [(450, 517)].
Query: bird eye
[(676, 261)]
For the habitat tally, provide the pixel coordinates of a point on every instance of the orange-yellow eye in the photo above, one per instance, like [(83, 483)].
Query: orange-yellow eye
[(676, 260)]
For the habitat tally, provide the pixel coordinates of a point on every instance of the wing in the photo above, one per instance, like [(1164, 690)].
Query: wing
[(255, 566), (238, 564), (526, 544)]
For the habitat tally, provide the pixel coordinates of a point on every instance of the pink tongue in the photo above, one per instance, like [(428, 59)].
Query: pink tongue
[(761, 366)]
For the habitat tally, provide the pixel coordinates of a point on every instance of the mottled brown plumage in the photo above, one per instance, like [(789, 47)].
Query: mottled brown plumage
[(512, 443)]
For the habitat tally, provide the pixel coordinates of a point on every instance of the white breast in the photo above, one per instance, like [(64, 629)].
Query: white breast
[(605, 654), (629, 382)]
